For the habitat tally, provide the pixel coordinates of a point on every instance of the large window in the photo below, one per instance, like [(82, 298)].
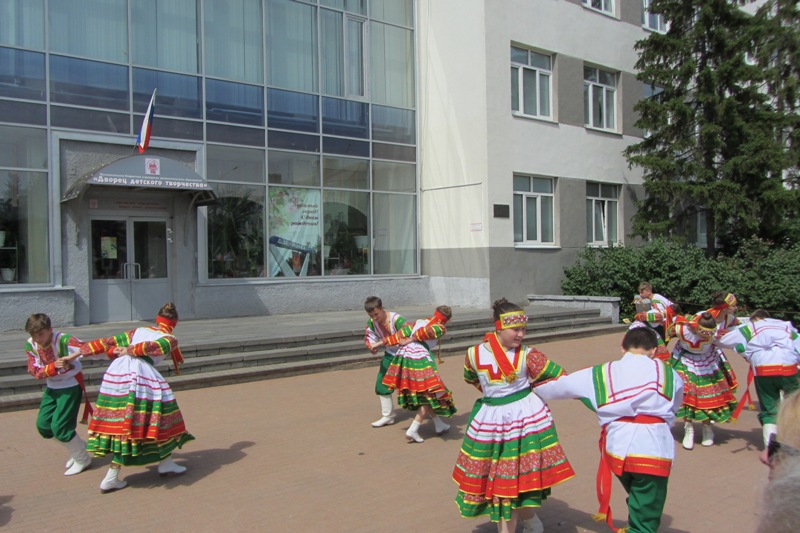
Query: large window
[(22, 23), (652, 21), (233, 39), (391, 65), (533, 210), (601, 214), (531, 75), (24, 201), (606, 6), (105, 28), (599, 98), (342, 54), (164, 34), (292, 45)]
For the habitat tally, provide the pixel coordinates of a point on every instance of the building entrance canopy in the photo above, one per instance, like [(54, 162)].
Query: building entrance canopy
[(146, 172)]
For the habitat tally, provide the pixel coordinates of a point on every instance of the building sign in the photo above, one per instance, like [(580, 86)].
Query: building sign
[(144, 172)]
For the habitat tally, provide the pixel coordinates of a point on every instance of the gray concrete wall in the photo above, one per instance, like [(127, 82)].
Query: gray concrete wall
[(17, 305), (272, 298), (632, 92), (570, 90)]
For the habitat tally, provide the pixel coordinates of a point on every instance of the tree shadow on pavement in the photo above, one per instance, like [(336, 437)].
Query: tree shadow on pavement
[(200, 464), (5, 510)]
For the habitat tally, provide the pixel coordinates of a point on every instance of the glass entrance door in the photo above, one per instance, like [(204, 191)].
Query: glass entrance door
[(130, 268)]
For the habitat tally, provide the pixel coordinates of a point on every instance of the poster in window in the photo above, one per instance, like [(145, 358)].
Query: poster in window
[(294, 228), (108, 247)]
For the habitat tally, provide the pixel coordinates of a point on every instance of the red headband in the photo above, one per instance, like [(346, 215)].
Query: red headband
[(166, 321), (438, 318)]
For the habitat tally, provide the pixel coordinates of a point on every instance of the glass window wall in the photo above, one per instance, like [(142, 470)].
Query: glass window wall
[(233, 40), (392, 65), (178, 95), (22, 23), (88, 83), (292, 45), (164, 34), (234, 102), (103, 27), (22, 74), (24, 213), (346, 217)]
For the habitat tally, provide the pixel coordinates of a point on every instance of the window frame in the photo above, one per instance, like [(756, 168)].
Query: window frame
[(588, 88), (537, 195), (605, 200), (607, 9), (540, 72), (661, 26)]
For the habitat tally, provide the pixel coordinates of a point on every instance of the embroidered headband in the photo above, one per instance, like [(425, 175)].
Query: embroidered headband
[(512, 319), (730, 301)]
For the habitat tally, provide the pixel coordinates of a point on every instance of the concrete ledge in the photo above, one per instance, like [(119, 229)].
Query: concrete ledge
[(607, 305)]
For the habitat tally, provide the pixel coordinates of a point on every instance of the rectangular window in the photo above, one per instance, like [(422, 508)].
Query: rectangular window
[(531, 75), (533, 210), (236, 231), (233, 39), (601, 214), (342, 54), (391, 54), (599, 98), (292, 45), (24, 212), (164, 34), (606, 6), (105, 23), (346, 241), (21, 74), (652, 21), (651, 92), (22, 23)]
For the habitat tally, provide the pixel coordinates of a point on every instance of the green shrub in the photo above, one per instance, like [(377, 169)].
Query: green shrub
[(759, 274)]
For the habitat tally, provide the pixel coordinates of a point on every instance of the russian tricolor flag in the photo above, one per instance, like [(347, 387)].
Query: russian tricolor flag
[(143, 140)]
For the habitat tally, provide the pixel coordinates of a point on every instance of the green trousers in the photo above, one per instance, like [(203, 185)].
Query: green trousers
[(58, 413), (768, 390), (646, 497)]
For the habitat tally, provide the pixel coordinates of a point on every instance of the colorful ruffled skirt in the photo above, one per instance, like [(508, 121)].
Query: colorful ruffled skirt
[(136, 417), (415, 377), (510, 457), (709, 385)]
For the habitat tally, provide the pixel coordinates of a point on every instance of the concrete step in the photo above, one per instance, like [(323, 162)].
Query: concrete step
[(256, 366), (228, 354)]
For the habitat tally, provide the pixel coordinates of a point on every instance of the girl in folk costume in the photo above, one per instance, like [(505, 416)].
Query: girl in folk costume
[(510, 457), (413, 373), (137, 418), (724, 313), (707, 397), (772, 347)]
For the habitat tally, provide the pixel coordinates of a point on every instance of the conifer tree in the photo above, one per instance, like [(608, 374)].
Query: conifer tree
[(712, 148)]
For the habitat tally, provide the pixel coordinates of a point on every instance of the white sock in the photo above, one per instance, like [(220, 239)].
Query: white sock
[(439, 424)]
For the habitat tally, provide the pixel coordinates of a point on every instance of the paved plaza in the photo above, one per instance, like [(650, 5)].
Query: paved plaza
[(298, 454)]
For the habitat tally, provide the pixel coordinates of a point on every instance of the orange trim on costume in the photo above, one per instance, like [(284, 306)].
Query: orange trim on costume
[(438, 318)]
